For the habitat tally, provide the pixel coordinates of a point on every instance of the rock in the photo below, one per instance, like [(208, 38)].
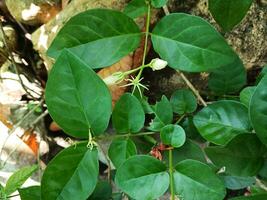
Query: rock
[(33, 12)]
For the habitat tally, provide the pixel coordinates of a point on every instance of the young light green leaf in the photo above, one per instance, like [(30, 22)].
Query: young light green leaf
[(128, 115), (103, 191), (77, 99), (117, 36), (237, 182), (18, 178), (195, 180), (163, 114), (258, 110), (262, 196), (158, 3), (189, 150), (30, 193), (246, 94), (183, 101), (229, 78), (120, 150), (191, 44), (221, 121), (228, 13), (142, 177), (135, 8), (173, 135), (242, 156), (72, 173)]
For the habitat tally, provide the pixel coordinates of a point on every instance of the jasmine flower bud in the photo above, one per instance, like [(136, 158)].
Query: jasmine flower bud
[(114, 78), (158, 64)]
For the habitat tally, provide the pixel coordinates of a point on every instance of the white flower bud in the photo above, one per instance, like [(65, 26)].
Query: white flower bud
[(114, 78), (158, 64)]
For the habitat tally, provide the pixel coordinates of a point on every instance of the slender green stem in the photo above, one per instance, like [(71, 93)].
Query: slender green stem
[(125, 135), (180, 119), (146, 40), (171, 175)]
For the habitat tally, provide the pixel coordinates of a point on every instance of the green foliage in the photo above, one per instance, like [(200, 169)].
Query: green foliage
[(228, 78), (128, 115), (173, 135), (195, 180), (229, 13), (117, 36), (258, 110), (80, 102), (147, 180), (18, 178), (77, 99), (72, 173), (120, 150), (183, 101), (194, 42), (252, 197), (243, 150), (221, 121)]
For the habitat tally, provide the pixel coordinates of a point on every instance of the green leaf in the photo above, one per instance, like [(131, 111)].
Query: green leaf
[(72, 173), (262, 74), (128, 115), (135, 8), (19, 177), (183, 101), (263, 171), (30, 193), (191, 44), (221, 121), (103, 191), (252, 197), (191, 130), (229, 78), (77, 99), (258, 110), (173, 135), (195, 180), (99, 37), (242, 156), (246, 94), (158, 3), (237, 182), (189, 150), (120, 150), (163, 114), (228, 13), (142, 177)]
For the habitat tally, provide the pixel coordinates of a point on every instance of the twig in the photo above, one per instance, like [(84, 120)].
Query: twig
[(13, 60), (260, 184), (39, 118), (188, 83)]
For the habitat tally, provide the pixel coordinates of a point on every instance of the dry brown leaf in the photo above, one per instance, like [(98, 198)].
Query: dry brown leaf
[(30, 138)]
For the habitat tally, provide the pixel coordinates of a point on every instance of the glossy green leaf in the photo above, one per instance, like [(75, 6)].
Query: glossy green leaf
[(191, 130), (221, 121), (2, 192), (72, 173), (128, 115), (263, 171), (229, 78), (30, 193), (258, 110), (77, 99), (135, 8), (191, 44), (237, 182), (163, 114), (189, 150), (173, 135), (19, 177), (195, 180), (103, 191), (99, 37), (142, 177), (120, 150), (158, 3), (229, 13), (242, 156), (183, 101), (252, 197), (262, 74), (246, 94)]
